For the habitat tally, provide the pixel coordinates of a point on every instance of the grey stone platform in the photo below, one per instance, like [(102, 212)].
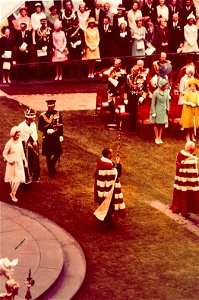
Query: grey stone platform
[(56, 260)]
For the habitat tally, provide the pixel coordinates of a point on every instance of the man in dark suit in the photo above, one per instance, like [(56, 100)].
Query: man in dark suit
[(23, 43), (174, 8), (149, 11), (106, 38), (177, 37), (98, 13)]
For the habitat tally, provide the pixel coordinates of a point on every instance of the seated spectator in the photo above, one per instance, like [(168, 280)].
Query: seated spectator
[(138, 35), (106, 38), (190, 35), (22, 18), (134, 14), (60, 50), (7, 47), (149, 11), (176, 39), (67, 15), (23, 43), (75, 42), (52, 16), (162, 11), (35, 19), (83, 15), (187, 9), (190, 71), (92, 40), (162, 37)]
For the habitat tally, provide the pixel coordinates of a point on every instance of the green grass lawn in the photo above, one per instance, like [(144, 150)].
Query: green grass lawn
[(148, 255)]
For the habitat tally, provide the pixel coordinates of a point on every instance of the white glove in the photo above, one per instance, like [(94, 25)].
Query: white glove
[(154, 115), (44, 48), (113, 81), (25, 164), (77, 43), (50, 131), (141, 99), (193, 105), (61, 139), (126, 101)]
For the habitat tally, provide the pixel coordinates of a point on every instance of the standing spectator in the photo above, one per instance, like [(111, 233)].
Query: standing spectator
[(186, 187), (174, 8), (43, 38), (106, 38), (23, 43), (97, 13), (107, 190), (138, 35), (83, 16), (35, 19), (75, 39), (190, 70), (159, 109), (29, 136), (190, 112), (108, 12), (162, 11), (134, 14), (162, 37), (52, 16), (50, 124), (150, 34), (121, 15), (124, 42), (187, 9), (176, 37), (22, 18), (67, 15), (60, 50), (7, 47), (190, 35), (149, 11), (14, 156), (92, 40)]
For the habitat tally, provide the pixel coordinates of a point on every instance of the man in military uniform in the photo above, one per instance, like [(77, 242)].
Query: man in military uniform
[(136, 92), (116, 79), (50, 123)]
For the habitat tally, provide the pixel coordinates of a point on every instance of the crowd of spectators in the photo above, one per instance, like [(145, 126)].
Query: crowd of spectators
[(93, 31)]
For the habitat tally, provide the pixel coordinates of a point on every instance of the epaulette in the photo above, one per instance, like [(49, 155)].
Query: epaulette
[(43, 113)]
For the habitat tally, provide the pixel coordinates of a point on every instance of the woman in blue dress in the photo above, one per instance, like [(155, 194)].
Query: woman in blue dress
[(159, 109)]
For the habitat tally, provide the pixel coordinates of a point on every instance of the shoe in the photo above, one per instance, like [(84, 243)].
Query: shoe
[(28, 182), (89, 76), (4, 81), (92, 76), (13, 197), (60, 77), (56, 78), (9, 81), (161, 142), (157, 142), (193, 139)]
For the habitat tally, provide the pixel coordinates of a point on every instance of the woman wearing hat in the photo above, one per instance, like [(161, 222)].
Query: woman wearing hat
[(159, 109), (190, 112), (14, 156), (190, 71), (190, 35), (92, 39), (52, 16), (138, 33), (22, 18), (133, 14)]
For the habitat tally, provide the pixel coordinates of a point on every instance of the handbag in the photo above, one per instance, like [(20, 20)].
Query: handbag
[(140, 45)]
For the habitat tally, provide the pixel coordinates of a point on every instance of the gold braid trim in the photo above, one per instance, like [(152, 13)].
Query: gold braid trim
[(43, 33), (48, 120)]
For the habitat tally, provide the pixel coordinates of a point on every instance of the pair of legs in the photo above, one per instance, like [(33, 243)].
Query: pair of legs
[(6, 76), (91, 67), (14, 184), (51, 162), (190, 135), (59, 71), (158, 129)]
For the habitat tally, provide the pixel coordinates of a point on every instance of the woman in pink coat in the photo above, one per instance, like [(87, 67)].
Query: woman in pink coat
[(60, 49), (15, 159)]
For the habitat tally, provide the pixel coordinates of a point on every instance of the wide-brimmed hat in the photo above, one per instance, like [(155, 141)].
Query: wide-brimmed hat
[(194, 81), (162, 82), (91, 20), (14, 130), (121, 7), (191, 16), (23, 8), (37, 4), (190, 69)]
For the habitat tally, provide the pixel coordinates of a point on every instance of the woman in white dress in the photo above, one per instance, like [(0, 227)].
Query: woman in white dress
[(14, 156), (190, 35), (83, 16)]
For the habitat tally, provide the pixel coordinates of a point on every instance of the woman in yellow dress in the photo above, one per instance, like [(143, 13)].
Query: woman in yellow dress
[(92, 40), (190, 113)]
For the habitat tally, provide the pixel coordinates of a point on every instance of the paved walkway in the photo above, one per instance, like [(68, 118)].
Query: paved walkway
[(56, 260)]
